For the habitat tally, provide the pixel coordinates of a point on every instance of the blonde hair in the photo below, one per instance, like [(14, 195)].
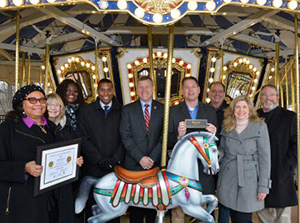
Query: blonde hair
[(55, 97), (229, 122)]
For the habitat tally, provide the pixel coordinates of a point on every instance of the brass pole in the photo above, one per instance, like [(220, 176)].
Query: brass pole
[(41, 77), (281, 97), (277, 79), (167, 97), (298, 99), (287, 88), (23, 68), (293, 89), (151, 67), (222, 64), (29, 69), (96, 66), (47, 68), (17, 50)]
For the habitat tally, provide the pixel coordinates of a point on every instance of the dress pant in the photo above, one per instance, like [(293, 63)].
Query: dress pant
[(137, 215), (224, 214), (240, 217), (275, 215), (177, 215)]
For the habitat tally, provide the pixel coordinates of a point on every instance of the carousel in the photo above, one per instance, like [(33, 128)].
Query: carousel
[(245, 44)]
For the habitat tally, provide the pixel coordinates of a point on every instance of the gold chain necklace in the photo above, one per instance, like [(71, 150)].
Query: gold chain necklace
[(42, 128)]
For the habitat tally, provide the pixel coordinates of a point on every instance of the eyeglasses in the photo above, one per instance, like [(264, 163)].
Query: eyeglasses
[(35, 100), (53, 105), (268, 95), (72, 90)]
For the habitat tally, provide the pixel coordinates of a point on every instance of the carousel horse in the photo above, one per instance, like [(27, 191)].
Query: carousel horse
[(178, 185)]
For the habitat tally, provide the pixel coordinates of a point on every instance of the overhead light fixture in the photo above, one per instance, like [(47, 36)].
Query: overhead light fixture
[(51, 1), (103, 4), (261, 2), (122, 4), (210, 6), (34, 2), (293, 4), (157, 18), (3, 3), (277, 3), (192, 5), (18, 2), (244, 1), (175, 13), (139, 13), (227, 1)]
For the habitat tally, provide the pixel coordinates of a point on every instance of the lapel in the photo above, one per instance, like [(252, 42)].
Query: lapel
[(99, 110), (138, 111), (274, 122), (250, 131), (153, 117), (185, 111)]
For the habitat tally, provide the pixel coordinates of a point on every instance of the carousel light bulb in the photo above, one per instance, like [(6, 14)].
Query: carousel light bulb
[(244, 1), (244, 60), (224, 77), (210, 80), (131, 84), (145, 60), (48, 84), (18, 2), (189, 66), (165, 55), (103, 4), (213, 59), (251, 66), (43, 67), (235, 64), (227, 1), (225, 68), (257, 73), (94, 77), (188, 75), (129, 66), (58, 71), (132, 93), (248, 61), (88, 65), (270, 77), (104, 59), (207, 100), (240, 60), (261, 2), (93, 68), (73, 59), (175, 13), (208, 90), (51, 1), (254, 69), (34, 2), (61, 79), (173, 60), (139, 13), (159, 54), (212, 69), (157, 18), (272, 69), (69, 61), (176, 103), (210, 6), (62, 68), (77, 59), (253, 88), (105, 69), (136, 62), (122, 4), (181, 62), (82, 63), (66, 65), (255, 80), (293, 4), (3, 3), (130, 75), (277, 3), (192, 5)]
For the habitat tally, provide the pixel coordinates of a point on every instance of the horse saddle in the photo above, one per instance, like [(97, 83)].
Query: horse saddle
[(145, 178)]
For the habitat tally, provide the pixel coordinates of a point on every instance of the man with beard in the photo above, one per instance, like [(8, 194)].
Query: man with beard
[(283, 139)]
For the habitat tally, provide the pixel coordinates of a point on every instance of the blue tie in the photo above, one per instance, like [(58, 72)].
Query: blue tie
[(106, 110)]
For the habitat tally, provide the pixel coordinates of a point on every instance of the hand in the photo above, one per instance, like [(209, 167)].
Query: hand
[(79, 161), (146, 162), (33, 169), (211, 128), (181, 129), (108, 164), (261, 196)]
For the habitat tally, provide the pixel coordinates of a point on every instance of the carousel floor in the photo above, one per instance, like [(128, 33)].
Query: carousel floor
[(125, 219)]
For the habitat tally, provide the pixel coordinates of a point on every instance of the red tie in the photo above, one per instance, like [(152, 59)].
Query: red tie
[(147, 117)]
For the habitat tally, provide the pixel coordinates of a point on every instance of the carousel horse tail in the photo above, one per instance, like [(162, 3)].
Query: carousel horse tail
[(84, 191)]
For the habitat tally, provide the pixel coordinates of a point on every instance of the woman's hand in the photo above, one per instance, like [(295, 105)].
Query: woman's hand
[(261, 196), (79, 161), (211, 128), (33, 169)]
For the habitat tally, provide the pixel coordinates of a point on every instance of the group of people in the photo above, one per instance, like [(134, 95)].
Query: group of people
[(255, 148)]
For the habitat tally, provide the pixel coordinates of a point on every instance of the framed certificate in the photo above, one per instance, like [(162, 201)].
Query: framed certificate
[(59, 165)]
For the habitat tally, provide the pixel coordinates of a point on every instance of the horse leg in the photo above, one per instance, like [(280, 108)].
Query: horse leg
[(160, 217), (211, 202), (198, 212)]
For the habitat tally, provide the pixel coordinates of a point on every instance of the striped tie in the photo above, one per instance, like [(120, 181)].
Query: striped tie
[(147, 117)]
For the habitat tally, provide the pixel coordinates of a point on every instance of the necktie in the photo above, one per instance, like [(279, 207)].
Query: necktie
[(147, 117), (106, 110)]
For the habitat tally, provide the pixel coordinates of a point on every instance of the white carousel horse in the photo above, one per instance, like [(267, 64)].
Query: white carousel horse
[(178, 185)]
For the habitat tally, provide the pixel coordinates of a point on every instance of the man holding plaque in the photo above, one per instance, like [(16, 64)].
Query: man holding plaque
[(99, 128), (191, 115)]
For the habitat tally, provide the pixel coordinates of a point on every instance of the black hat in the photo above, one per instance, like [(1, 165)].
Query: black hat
[(22, 93)]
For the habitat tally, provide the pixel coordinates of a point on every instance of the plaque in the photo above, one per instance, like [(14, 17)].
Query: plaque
[(196, 123)]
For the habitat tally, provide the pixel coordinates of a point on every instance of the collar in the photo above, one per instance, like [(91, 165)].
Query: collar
[(29, 122), (143, 103), (102, 104), (184, 181)]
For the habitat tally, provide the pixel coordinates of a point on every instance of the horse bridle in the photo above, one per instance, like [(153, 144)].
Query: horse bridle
[(204, 152)]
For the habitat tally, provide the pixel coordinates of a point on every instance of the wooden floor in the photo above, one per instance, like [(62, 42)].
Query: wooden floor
[(124, 219)]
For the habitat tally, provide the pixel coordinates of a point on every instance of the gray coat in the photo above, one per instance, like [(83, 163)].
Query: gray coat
[(245, 166)]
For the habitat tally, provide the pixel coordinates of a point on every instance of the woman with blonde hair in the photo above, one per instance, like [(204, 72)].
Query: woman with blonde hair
[(244, 178)]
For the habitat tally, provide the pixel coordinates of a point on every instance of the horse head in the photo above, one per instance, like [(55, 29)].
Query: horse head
[(205, 144)]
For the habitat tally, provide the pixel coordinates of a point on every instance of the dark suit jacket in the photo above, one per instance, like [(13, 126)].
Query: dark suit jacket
[(101, 140), (282, 126), (179, 113), (134, 134)]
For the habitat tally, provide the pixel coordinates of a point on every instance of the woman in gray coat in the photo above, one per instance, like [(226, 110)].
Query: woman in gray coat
[(244, 178)]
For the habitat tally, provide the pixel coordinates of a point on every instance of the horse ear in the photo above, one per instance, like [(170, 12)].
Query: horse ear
[(212, 138)]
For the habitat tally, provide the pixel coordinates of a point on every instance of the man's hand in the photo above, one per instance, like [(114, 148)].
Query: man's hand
[(211, 128), (146, 162), (33, 169), (181, 129), (261, 196), (79, 161)]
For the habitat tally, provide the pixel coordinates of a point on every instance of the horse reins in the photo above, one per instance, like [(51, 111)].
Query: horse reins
[(194, 141)]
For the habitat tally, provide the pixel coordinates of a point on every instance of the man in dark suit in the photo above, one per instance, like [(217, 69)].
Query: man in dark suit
[(141, 130), (191, 108), (282, 126), (101, 142)]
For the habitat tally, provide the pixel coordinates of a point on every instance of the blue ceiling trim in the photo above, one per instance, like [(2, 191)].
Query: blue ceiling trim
[(223, 22), (3, 18), (286, 16), (196, 20), (107, 21)]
